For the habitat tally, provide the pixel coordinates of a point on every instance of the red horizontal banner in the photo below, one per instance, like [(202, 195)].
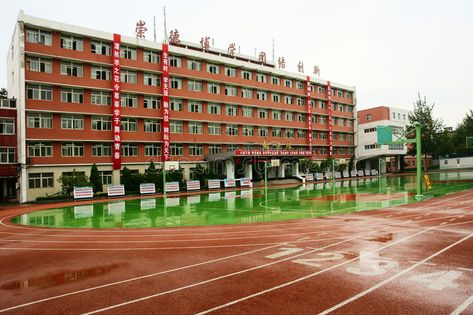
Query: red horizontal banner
[(272, 153)]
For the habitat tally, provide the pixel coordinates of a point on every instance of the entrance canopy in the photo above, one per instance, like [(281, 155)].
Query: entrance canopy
[(258, 153)]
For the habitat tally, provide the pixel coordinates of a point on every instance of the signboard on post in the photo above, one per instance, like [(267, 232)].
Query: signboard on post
[(116, 190), (83, 193), (213, 183), (147, 188), (228, 183), (193, 185), (273, 153), (245, 182), (172, 186), (309, 177)]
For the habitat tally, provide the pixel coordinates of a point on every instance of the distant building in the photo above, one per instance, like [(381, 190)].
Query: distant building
[(368, 151), (8, 149)]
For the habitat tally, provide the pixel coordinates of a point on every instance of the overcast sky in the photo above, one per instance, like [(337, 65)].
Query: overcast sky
[(388, 50)]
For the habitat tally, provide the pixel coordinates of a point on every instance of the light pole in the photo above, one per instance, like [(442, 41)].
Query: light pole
[(418, 126)]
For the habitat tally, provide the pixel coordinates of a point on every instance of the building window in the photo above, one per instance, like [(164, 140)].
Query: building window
[(128, 100), (301, 134), (75, 122), (321, 90), (195, 86), (175, 61), (151, 56), (322, 105), (232, 147), (106, 177), (231, 110), (71, 42), (175, 126), (247, 93), (39, 64), (127, 76), (40, 92), (129, 149), (232, 130), (152, 150), (102, 149), (276, 98), (262, 113), (214, 129), (100, 73), (246, 75), (39, 37), (194, 65), (40, 180), (213, 88), (215, 148), (349, 109), (275, 81), (288, 83), (195, 128), (40, 120), (230, 90), (368, 130), (301, 117), (211, 68), (261, 77), (213, 108), (261, 95), (322, 135), (368, 117), (175, 104), (127, 52), (177, 149), (101, 98), (289, 133), (371, 146), (248, 131), (339, 94), (288, 99), (72, 96), (300, 101), (196, 149), (151, 125), (151, 102), (289, 116), (72, 69), (276, 132), (151, 79), (7, 126), (194, 107), (276, 114), (247, 111), (40, 149), (129, 124), (230, 72), (322, 119), (101, 123), (100, 48), (262, 131), (70, 149), (300, 85), (7, 155)]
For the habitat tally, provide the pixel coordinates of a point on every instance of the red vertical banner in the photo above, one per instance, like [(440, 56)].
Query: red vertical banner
[(166, 123), (330, 125), (309, 112), (116, 110)]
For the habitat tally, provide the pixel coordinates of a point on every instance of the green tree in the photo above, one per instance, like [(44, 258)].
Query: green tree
[(71, 180), (446, 145), (464, 129), (3, 92), (151, 173), (431, 128), (95, 179)]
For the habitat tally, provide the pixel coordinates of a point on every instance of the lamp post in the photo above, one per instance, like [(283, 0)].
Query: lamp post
[(418, 127)]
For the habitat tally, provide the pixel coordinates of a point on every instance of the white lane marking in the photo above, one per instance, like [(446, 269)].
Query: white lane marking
[(462, 306), (397, 275), (310, 275), (453, 219), (284, 252), (138, 278), (443, 223), (304, 238), (427, 264), (438, 280), (463, 268), (216, 279)]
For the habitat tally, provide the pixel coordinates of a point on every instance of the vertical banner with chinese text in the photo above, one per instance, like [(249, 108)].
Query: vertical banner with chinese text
[(309, 112), (166, 123), (116, 114), (330, 136)]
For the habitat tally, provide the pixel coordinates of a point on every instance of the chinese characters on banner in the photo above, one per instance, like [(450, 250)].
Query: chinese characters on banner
[(116, 114), (309, 111), (166, 123), (330, 136)]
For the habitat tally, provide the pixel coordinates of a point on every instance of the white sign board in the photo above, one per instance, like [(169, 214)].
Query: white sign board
[(83, 192), (193, 185), (171, 165), (116, 190), (214, 183), (172, 186), (245, 182), (229, 183), (147, 188), (275, 163)]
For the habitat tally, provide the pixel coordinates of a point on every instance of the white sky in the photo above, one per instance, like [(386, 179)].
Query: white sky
[(388, 50)]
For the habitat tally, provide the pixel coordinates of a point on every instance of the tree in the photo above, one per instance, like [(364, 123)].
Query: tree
[(464, 129), (71, 180), (95, 179), (3, 92), (431, 128)]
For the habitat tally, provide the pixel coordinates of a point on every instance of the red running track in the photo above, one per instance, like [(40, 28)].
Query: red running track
[(415, 259)]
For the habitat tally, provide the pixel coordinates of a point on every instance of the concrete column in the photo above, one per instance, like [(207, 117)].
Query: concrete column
[(383, 166), (398, 163), (295, 168), (187, 173), (248, 170), (116, 177), (368, 164), (230, 169), (281, 170)]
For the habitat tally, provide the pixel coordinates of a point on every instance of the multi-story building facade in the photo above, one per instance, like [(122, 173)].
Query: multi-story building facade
[(368, 150), (8, 151), (66, 79)]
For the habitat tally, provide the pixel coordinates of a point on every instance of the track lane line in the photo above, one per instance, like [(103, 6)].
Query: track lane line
[(460, 308)]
